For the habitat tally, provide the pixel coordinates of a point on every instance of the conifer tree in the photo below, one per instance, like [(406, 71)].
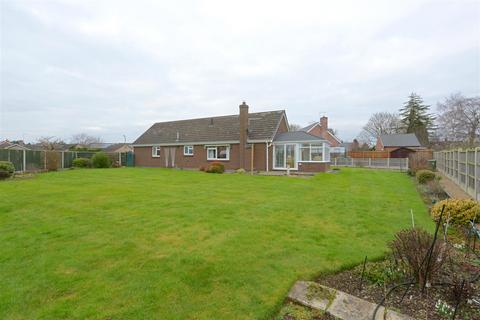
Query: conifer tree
[(416, 119)]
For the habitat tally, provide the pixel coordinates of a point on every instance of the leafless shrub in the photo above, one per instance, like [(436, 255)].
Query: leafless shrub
[(411, 248)]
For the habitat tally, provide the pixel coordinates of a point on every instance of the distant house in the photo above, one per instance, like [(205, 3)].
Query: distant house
[(399, 145), (119, 147), (259, 141), (320, 129), (12, 145)]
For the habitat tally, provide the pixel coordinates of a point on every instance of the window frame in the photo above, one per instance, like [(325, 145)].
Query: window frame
[(156, 152), (186, 148), (317, 146), (227, 148)]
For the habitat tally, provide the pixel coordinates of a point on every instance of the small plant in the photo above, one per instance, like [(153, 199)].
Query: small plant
[(443, 308), (216, 167), (241, 171), (82, 163), (7, 169), (410, 248), (460, 211), (101, 160), (424, 176), (202, 168), (383, 273)]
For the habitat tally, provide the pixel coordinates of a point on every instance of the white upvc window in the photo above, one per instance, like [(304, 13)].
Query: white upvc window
[(156, 151), (188, 150), (314, 152), (285, 156), (218, 153)]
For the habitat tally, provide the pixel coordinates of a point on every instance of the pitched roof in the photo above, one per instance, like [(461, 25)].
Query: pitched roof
[(310, 126), (115, 146), (261, 126), (400, 140), (296, 136), (13, 146)]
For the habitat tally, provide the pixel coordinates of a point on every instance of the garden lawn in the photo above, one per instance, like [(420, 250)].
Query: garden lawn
[(169, 244)]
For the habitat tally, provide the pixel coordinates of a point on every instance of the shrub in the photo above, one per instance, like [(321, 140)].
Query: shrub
[(241, 171), (101, 160), (7, 169), (216, 167), (52, 159), (418, 161), (459, 211), (202, 168), (410, 248), (423, 176), (381, 273), (82, 163)]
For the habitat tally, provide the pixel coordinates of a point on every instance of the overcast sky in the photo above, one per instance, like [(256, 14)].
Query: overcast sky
[(112, 68)]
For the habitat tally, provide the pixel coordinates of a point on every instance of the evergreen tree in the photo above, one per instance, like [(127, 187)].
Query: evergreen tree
[(416, 119)]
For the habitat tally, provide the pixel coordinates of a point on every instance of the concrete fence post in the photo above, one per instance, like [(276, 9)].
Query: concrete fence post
[(24, 161), (475, 174), (369, 162), (63, 160), (388, 162), (335, 161)]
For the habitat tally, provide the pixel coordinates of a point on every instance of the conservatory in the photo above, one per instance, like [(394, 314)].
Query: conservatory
[(299, 150)]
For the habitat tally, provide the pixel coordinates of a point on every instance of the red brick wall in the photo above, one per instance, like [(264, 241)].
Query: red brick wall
[(143, 157), (313, 167), (379, 145)]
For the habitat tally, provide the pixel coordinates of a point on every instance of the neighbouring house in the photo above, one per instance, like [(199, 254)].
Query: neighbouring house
[(10, 145), (399, 145), (257, 141), (119, 148), (321, 129)]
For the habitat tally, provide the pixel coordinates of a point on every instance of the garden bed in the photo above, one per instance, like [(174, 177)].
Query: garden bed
[(373, 288)]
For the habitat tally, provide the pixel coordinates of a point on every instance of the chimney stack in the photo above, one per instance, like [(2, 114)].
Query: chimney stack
[(324, 124), (243, 118)]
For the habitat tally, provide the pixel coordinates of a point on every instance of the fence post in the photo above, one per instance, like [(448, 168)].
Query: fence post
[(24, 160), (63, 160), (388, 163), (475, 174), (119, 159), (369, 162), (406, 165), (45, 160), (335, 161)]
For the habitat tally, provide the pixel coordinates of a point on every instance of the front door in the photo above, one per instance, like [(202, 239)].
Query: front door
[(170, 157)]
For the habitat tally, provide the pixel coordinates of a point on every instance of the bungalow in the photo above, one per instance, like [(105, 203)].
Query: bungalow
[(253, 141)]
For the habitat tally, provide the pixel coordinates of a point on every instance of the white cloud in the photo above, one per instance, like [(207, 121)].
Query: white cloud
[(117, 64)]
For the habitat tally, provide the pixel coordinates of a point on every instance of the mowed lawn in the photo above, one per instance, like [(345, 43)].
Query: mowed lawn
[(169, 244)]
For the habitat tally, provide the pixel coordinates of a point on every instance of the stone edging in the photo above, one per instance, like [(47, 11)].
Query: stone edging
[(339, 304)]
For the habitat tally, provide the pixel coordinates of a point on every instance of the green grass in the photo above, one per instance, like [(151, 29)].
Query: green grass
[(168, 244)]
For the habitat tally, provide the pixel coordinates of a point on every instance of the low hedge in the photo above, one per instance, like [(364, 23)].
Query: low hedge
[(101, 160), (460, 211), (424, 176), (216, 167), (7, 169), (82, 163)]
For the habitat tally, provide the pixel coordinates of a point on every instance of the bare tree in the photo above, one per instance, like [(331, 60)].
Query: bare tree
[(459, 119), (51, 143), (294, 127), (380, 123), (84, 139)]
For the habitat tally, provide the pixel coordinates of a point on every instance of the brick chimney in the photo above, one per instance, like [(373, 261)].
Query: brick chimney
[(243, 118), (323, 124)]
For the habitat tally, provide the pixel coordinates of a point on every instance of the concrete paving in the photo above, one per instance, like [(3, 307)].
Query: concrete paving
[(339, 304)]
